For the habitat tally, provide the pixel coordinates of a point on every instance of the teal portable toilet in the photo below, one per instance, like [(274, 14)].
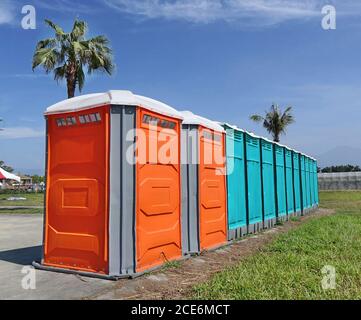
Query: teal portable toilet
[(236, 182), (297, 182), (280, 181), (308, 185), (316, 182), (303, 184), (254, 188), (289, 182), (312, 183), (268, 184)]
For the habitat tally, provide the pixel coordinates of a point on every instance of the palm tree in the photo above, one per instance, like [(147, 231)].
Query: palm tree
[(275, 121), (68, 53)]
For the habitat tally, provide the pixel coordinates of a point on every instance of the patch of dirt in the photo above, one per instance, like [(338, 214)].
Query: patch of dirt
[(177, 283)]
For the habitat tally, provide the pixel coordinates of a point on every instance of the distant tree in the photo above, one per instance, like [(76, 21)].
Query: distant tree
[(68, 53), (37, 179), (275, 121), (341, 168), (1, 120), (5, 167)]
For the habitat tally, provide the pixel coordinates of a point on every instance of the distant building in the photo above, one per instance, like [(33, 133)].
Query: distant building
[(26, 181)]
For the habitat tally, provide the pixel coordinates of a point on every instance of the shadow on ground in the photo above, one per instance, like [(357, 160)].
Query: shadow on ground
[(22, 256)]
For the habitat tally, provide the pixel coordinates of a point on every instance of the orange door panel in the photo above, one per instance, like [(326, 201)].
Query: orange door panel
[(212, 190), (77, 184), (158, 229)]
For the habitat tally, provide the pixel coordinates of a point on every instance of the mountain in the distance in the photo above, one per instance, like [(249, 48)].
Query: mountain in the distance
[(340, 155)]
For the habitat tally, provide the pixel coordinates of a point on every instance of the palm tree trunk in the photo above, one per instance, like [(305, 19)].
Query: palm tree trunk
[(276, 137), (71, 80), (71, 88)]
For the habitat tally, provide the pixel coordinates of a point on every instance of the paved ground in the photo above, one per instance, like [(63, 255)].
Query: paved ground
[(20, 244)]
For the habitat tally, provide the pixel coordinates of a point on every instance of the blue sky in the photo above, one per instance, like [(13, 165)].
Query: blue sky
[(221, 59)]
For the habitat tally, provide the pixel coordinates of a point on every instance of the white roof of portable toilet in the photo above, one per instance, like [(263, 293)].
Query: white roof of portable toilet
[(115, 97), (191, 118), (234, 127)]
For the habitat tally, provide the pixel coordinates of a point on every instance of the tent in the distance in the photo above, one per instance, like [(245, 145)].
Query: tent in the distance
[(4, 175)]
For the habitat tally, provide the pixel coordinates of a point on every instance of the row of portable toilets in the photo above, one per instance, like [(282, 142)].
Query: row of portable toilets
[(114, 208)]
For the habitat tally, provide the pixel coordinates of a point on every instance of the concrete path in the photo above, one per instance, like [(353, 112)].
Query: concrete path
[(20, 244)]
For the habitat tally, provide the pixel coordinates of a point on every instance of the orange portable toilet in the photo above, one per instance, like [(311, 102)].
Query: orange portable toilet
[(112, 205), (204, 209)]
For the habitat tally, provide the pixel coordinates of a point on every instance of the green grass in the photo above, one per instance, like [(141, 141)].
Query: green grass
[(22, 211), (32, 199), (290, 267), (295, 219), (171, 265)]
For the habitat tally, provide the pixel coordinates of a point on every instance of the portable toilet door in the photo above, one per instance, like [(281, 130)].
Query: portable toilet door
[(281, 182), (254, 187), (268, 184), (236, 183), (316, 182), (112, 208), (297, 182), (312, 183), (204, 198), (303, 183), (289, 182), (308, 185)]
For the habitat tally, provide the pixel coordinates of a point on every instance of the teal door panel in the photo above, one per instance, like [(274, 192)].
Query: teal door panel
[(289, 182), (236, 190), (268, 181), (280, 175), (254, 179), (297, 181)]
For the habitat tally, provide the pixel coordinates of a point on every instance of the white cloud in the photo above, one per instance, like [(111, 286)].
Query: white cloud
[(207, 11), (244, 12), (66, 6), (6, 12), (20, 133)]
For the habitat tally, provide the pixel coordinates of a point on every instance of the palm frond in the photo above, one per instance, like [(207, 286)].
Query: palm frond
[(80, 78), (256, 118), (46, 43), (79, 30), (47, 57), (59, 32), (60, 73)]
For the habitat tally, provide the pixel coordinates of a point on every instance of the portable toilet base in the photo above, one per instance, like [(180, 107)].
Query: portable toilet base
[(255, 227), (234, 234), (269, 224)]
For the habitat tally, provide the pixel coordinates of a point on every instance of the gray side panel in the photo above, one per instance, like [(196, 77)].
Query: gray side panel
[(190, 198), (122, 193), (46, 183)]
